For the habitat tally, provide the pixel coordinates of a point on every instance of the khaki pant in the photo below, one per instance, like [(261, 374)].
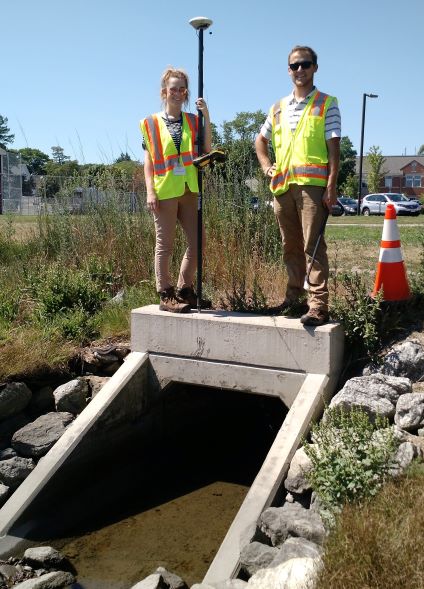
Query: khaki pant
[(300, 214), (184, 210)]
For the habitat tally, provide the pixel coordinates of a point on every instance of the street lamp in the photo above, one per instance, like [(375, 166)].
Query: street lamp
[(364, 98)]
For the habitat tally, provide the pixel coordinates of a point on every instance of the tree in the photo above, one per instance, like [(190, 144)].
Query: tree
[(35, 160), (58, 154), (375, 160), (421, 150), (124, 157), (347, 162), (237, 138), (5, 135), (350, 186)]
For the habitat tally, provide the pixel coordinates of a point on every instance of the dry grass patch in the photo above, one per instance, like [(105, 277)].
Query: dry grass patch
[(27, 351), (379, 545)]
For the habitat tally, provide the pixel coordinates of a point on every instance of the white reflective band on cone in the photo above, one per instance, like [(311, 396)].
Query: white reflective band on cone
[(390, 255), (390, 230)]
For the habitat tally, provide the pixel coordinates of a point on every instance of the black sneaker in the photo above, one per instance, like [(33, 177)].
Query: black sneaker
[(188, 295), (169, 302)]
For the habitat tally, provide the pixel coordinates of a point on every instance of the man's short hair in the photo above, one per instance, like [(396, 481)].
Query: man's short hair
[(314, 56)]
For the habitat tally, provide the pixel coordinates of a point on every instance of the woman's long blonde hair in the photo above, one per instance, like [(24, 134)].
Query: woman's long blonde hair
[(172, 72)]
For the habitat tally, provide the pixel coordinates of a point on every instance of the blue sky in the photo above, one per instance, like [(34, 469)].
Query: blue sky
[(81, 74)]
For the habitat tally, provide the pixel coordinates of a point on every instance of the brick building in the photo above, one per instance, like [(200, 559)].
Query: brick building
[(402, 173)]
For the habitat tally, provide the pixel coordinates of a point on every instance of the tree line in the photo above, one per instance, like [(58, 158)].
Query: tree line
[(236, 137)]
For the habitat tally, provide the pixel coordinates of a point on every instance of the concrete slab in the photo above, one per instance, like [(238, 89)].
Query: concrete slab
[(224, 375), (130, 375), (272, 342), (307, 405)]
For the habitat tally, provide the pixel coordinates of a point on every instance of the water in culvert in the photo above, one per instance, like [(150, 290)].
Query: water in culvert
[(165, 501)]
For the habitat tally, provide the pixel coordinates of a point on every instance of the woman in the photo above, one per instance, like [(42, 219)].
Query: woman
[(170, 141)]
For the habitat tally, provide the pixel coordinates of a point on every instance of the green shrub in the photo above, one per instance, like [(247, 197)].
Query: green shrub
[(359, 314), (61, 289), (351, 457)]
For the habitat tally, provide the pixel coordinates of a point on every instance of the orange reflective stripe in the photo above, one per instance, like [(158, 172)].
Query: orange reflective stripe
[(318, 105), (389, 244), (311, 171), (193, 123), (279, 179)]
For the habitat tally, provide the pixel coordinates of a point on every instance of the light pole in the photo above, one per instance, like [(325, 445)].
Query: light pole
[(364, 98), (200, 23)]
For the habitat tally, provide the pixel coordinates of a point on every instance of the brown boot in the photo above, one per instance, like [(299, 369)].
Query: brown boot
[(169, 302), (315, 317), (187, 295)]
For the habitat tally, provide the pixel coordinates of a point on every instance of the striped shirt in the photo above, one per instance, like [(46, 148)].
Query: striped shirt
[(175, 128), (295, 110)]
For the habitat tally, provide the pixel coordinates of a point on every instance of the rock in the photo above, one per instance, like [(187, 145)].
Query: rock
[(15, 470), (95, 383), (72, 396), (410, 411), (420, 432), (376, 394), (273, 523), (405, 454), (405, 359), (14, 397), (7, 453), (173, 581), (255, 556), (300, 466), (9, 572), (305, 523), (154, 581), (42, 400), (53, 580), (230, 584), (104, 360), (36, 438), (297, 548), (4, 494), (297, 573), (43, 556)]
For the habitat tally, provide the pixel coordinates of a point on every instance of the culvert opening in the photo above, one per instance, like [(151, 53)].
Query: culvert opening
[(163, 496)]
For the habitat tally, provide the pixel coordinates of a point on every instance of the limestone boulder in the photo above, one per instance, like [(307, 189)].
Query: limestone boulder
[(255, 556), (406, 453), (71, 397), (297, 548), (303, 523), (155, 581), (14, 397), (36, 438), (405, 359), (297, 573), (53, 580), (43, 557), (410, 411), (376, 394), (15, 470), (273, 523), (296, 480)]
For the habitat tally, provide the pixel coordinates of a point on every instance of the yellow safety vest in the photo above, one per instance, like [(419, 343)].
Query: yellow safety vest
[(165, 156), (302, 155)]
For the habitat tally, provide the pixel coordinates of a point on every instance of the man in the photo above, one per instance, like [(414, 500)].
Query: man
[(305, 132)]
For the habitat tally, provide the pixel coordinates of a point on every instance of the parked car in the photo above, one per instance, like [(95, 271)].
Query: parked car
[(350, 205), (337, 209), (375, 204)]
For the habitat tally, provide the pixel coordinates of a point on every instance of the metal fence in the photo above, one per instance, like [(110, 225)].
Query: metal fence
[(11, 183)]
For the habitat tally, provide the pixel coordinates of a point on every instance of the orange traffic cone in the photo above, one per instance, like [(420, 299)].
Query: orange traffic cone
[(391, 272)]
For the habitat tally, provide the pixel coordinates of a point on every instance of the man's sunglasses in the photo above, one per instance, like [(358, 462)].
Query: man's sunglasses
[(304, 64)]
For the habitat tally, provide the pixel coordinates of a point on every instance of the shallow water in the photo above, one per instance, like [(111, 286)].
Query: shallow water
[(166, 503)]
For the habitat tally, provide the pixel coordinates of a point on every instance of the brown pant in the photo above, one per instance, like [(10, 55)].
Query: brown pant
[(184, 210), (300, 214)]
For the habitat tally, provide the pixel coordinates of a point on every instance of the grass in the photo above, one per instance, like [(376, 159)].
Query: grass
[(377, 545), (107, 249)]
